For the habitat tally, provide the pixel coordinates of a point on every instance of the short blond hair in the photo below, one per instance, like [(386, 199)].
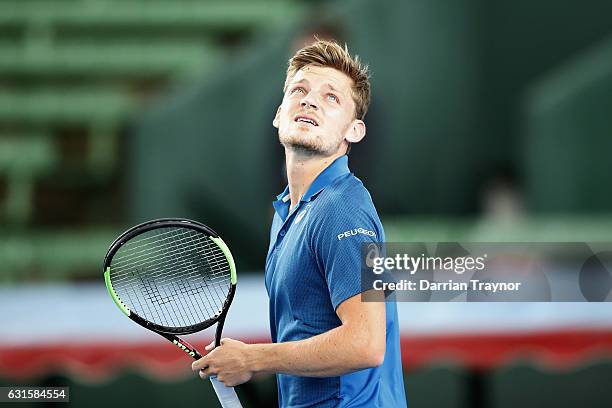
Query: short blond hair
[(324, 53)]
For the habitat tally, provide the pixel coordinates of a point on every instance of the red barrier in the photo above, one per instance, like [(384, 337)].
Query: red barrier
[(93, 362)]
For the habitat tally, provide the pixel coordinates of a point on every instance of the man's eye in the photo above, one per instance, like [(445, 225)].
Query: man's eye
[(332, 97), (298, 89)]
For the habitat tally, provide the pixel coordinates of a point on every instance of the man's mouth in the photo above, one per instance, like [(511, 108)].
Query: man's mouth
[(306, 119)]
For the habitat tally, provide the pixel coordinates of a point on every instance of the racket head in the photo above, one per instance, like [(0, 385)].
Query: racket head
[(171, 275)]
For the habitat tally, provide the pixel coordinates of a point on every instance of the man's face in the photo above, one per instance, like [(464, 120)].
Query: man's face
[(317, 114)]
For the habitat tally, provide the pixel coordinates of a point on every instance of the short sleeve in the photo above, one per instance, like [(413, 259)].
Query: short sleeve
[(337, 240)]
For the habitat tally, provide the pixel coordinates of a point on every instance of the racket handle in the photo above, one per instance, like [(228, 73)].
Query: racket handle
[(227, 396)]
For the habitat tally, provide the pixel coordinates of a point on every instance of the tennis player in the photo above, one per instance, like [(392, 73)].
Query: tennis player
[(330, 349)]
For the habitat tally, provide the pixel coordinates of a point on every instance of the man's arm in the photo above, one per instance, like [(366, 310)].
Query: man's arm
[(359, 342)]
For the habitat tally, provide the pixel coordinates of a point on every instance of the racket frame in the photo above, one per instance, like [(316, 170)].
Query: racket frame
[(170, 333)]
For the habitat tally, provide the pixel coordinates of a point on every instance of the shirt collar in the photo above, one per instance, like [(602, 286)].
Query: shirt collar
[(337, 168)]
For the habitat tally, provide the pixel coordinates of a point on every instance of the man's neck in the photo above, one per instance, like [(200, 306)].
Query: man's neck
[(302, 170)]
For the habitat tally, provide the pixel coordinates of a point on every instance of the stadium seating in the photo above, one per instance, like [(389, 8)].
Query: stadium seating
[(23, 158), (73, 75)]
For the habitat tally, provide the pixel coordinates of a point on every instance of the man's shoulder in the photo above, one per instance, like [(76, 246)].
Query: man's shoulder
[(347, 193), (345, 205)]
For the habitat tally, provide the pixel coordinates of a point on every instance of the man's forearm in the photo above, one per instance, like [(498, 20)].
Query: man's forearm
[(332, 353)]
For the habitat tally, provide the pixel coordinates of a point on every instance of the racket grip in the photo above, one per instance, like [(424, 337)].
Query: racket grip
[(227, 396)]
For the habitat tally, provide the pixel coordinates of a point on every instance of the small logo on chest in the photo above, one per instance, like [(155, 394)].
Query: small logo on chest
[(301, 215)]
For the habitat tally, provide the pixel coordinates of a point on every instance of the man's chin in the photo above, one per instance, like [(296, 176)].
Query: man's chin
[(304, 149), (306, 146), (301, 144)]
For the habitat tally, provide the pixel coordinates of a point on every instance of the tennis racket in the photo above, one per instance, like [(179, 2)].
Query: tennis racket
[(174, 277)]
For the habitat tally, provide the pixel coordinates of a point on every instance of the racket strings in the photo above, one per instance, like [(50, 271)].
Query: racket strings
[(176, 288), (147, 257), (173, 276)]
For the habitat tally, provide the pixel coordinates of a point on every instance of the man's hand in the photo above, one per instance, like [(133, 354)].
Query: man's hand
[(229, 362), (358, 343)]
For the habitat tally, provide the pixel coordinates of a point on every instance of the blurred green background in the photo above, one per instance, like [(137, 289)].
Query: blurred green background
[(490, 121)]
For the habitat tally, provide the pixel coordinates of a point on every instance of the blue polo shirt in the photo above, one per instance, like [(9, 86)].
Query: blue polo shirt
[(313, 265)]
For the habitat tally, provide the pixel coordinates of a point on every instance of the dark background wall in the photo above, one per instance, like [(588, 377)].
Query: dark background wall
[(450, 116)]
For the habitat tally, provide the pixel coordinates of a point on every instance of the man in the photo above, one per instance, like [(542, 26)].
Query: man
[(330, 349)]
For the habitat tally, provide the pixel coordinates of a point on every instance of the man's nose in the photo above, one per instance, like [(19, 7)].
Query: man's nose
[(307, 102)]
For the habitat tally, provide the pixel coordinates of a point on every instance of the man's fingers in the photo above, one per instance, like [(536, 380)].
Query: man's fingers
[(204, 374), (222, 342), (225, 382), (200, 364), (207, 372)]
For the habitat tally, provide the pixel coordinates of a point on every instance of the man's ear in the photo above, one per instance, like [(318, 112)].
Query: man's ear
[(276, 120), (356, 131)]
